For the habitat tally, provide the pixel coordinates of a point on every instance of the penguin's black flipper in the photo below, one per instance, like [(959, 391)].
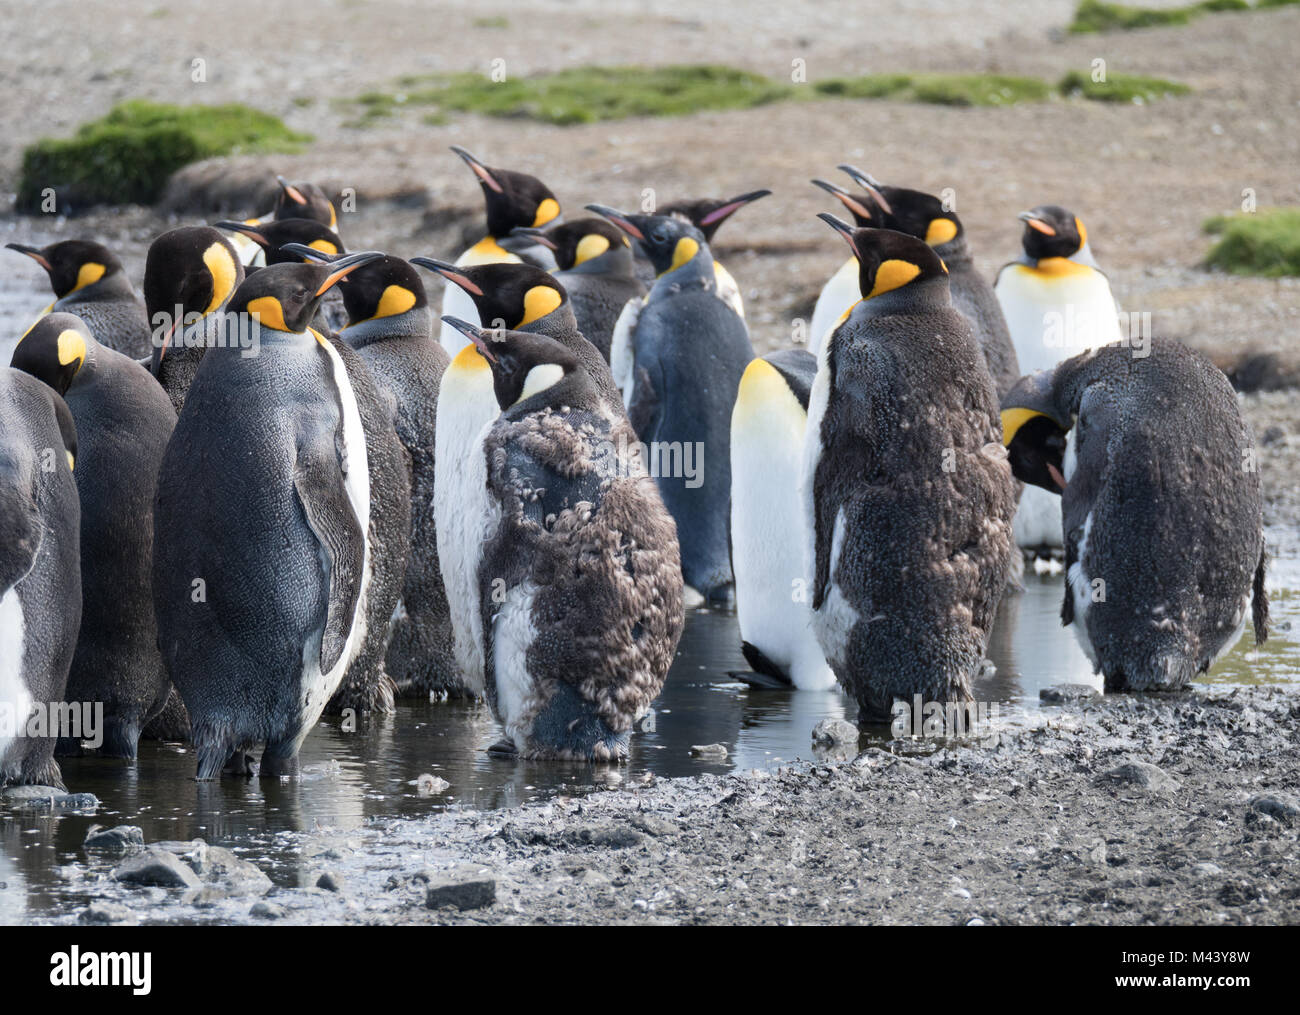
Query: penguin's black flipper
[(766, 674), (325, 503), (1259, 601), (799, 368), (643, 410)]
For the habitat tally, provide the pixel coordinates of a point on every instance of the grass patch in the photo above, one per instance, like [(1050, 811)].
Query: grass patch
[(940, 89), (492, 21), (1120, 87), (127, 156), (1266, 242), (1097, 16)]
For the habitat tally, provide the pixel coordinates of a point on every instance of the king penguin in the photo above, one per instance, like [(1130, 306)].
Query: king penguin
[(292, 201), (768, 544), (512, 199), (907, 485), (579, 578), (1056, 303), (40, 574), (1160, 504), (390, 326), (123, 419), (680, 367), (263, 564), (841, 290), (275, 236), (189, 275), (516, 297), (88, 280), (595, 265)]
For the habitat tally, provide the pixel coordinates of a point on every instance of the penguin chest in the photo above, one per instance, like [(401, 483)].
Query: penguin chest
[(458, 303), (513, 633), (1079, 588), (728, 290), (622, 358), (1053, 315), (15, 696), (837, 296)]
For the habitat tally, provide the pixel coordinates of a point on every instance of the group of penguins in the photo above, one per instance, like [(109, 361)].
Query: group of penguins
[(221, 539)]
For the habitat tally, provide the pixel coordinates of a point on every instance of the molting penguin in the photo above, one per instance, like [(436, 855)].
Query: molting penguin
[(513, 199), (681, 366), (596, 269), (262, 561), (841, 290), (40, 576), (124, 420), (707, 215), (391, 328), (907, 485), (924, 216), (517, 297), (579, 579), (189, 275), (88, 280), (1160, 503), (1056, 303), (768, 542)]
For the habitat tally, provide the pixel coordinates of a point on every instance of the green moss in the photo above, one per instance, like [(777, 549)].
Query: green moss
[(1266, 242), (941, 89), (1120, 87), (128, 155), (1214, 6), (493, 21), (869, 86), (1096, 16)]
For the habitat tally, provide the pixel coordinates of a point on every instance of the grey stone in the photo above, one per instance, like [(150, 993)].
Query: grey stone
[(835, 731), (1060, 694), (99, 913), (1144, 774), (120, 838), (158, 867), (608, 836), (709, 752), (266, 911), (1279, 806), (462, 888), (218, 865), (330, 882), (47, 798), (652, 825)]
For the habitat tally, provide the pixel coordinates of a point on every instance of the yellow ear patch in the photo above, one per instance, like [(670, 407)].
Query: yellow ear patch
[(396, 299), (269, 313), (940, 231), (591, 245), (893, 274), (71, 461), (1083, 233), (686, 249), (324, 246), (539, 301), (486, 251), (546, 211), (72, 347), (334, 218), (224, 273), (88, 274), (469, 358), (1013, 420)]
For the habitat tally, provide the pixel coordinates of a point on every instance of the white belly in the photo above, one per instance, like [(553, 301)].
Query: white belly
[(837, 295), (15, 697), (622, 355), (728, 290), (456, 302), (464, 511), (1080, 589), (512, 634), (835, 620), (768, 539), (1052, 318)]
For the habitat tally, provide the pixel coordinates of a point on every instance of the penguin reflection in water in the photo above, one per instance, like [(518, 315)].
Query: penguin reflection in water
[(266, 575), (579, 578), (1160, 505), (907, 485)]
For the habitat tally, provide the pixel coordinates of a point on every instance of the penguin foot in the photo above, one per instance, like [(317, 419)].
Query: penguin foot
[(279, 766), (121, 739), (240, 763)]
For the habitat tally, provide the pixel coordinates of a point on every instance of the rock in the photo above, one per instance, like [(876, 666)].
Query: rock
[(120, 838), (99, 913), (266, 911), (1208, 869), (1279, 806), (1144, 774), (206, 895), (158, 867), (1060, 694), (835, 731), (974, 921), (428, 785), (47, 798), (330, 882), (219, 866), (709, 752), (652, 825), (608, 836), (462, 888)]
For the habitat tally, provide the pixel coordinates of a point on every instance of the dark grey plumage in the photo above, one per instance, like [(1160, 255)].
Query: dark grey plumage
[(799, 368), (40, 577), (598, 296), (1162, 511), (974, 297)]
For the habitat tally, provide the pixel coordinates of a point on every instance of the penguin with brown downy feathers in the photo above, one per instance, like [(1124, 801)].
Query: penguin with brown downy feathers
[(579, 581), (304, 200), (124, 420), (1160, 504), (908, 487), (88, 280)]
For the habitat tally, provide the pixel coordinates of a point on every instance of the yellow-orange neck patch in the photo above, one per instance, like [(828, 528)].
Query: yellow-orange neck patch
[(893, 274), (88, 274), (72, 348), (396, 299), (269, 313), (1013, 420), (1059, 267), (591, 245), (940, 231), (324, 246), (546, 211), (539, 301), (224, 272), (469, 359), (682, 253)]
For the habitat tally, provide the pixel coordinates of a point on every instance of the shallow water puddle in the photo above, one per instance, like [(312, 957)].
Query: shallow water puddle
[(349, 777)]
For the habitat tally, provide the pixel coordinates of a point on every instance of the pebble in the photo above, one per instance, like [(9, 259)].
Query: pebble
[(330, 882), (1060, 694), (158, 867), (106, 913), (462, 888), (1279, 806), (835, 731), (1144, 774), (429, 785), (266, 911), (709, 752), (120, 838)]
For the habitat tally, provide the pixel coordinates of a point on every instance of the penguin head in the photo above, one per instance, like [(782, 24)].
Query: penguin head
[(888, 260), (285, 297), (513, 199), (382, 288), (909, 211), (273, 236), (529, 371), (304, 201), (506, 295), (579, 241), (1033, 431), (53, 350), (1052, 231), (863, 207), (707, 214), (73, 264), (668, 242), (190, 270)]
